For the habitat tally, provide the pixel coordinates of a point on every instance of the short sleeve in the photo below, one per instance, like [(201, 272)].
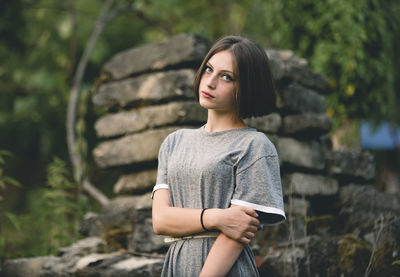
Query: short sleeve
[(162, 170), (259, 186)]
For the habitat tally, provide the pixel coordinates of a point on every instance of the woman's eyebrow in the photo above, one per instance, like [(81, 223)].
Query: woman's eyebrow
[(223, 70)]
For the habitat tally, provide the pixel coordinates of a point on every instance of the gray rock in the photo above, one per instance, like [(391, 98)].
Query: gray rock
[(294, 228), (136, 148), (59, 267), (308, 125), (117, 264), (83, 247), (309, 185), (179, 49), (100, 224), (140, 119), (306, 77), (309, 256), (118, 214), (267, 123), (367, 199), (297, 206), (130, 203), (146, 89), (92, 258), (321, 255), (40, 266), (298, 99), (288, 68), (323, 225), (280, 56), (352, 165), (296, 153), (285, 262), (135, 266), (143, 238), (136, 182), (24, 267), (364, 209)]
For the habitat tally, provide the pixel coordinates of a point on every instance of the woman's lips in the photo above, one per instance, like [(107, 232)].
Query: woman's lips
[(206, 94)]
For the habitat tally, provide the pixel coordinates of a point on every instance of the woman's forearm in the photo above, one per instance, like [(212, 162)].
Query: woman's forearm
[(175, 221), (238, 223), (221, 257)]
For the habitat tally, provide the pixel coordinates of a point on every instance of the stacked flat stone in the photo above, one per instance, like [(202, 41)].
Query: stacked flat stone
[(148, 94)]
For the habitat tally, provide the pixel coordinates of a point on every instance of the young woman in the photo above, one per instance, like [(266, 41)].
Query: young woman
[(217, 184)]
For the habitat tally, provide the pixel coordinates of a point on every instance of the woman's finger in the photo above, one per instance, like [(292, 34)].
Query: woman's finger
[(249, 211), (254, 222), (252, 229), (244, 240), (249, 235)]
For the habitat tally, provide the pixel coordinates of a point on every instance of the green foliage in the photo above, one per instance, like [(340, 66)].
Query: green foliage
[(55, 213), (353, 43), (64, 206), (4, 216), (5, 180)]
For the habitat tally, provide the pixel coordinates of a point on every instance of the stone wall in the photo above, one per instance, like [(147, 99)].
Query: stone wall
[(338, 224)]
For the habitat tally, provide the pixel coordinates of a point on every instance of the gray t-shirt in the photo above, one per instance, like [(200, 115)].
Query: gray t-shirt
[(214, 170)]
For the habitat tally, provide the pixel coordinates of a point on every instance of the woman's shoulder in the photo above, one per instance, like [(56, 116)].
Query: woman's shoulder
[(178, 135), (261, 144)]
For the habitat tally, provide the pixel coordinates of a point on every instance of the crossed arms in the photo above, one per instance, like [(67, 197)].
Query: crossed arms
[(237, 225)]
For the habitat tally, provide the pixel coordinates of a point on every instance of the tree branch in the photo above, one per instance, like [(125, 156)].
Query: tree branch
[(94, 192), (73, 44), (73, 100), (162, 25), (105, 16)]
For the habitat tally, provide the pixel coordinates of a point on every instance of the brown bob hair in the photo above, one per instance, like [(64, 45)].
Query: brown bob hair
[(255, 94)]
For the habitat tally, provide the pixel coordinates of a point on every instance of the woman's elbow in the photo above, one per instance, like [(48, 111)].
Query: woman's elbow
[(157, 229), (157, 226)]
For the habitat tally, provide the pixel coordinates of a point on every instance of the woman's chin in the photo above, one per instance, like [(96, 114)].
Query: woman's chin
[(205, 104)]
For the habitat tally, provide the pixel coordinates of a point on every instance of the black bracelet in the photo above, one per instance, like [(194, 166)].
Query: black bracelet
[(201, 220)]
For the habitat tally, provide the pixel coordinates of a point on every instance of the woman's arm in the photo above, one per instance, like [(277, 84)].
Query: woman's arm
[(223, 255), (236, 222)]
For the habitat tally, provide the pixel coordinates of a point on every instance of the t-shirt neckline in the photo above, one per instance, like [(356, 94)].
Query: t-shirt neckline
[(204, 132)]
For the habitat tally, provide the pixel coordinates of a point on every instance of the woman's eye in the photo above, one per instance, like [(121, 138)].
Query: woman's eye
[(208, 69), (227, 78)]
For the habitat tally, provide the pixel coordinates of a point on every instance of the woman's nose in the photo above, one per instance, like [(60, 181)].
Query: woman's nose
[(212, 81)]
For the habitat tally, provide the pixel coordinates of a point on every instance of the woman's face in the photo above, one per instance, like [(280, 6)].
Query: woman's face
[(218, 83)]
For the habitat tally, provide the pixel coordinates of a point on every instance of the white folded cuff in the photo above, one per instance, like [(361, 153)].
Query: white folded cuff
[(157, 187), (261, 208)]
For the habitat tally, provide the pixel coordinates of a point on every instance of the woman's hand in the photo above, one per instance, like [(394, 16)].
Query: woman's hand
[(237, 222)]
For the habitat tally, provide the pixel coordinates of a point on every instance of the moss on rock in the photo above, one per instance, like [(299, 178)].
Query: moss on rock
[(383, 260), (320, 225), (116, 239), (353, 255)]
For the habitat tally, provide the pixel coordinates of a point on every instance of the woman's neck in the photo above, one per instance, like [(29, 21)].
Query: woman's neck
[(217, 122)]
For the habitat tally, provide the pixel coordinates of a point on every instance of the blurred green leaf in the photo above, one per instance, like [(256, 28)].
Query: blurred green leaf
[(14, 220)]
